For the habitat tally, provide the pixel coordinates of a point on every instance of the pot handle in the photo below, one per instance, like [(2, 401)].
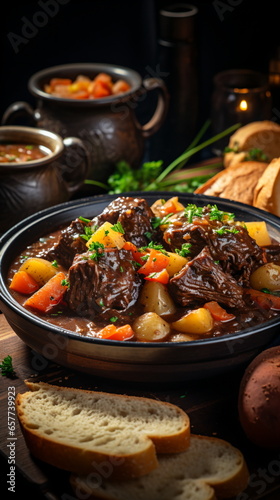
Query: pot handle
[(160, 113), (18, 109), (75, 165)]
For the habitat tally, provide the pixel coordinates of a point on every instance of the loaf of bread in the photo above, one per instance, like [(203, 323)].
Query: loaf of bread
[(75, 429), (263, 135), (208, 469), (267, 190), (236, 182)]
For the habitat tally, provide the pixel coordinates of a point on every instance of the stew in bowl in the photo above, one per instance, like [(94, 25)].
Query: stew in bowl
[(159, 272)]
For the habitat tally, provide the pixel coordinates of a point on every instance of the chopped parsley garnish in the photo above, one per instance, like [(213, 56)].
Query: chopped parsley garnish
[(185, 249), (6, 367), (88, 233), (145, 257), (113, 319), (158, 221), (54, 263), (97, 250), (118, 228), (220, 215), (154, 246), (192, 211), (224, 230), (64, 283)]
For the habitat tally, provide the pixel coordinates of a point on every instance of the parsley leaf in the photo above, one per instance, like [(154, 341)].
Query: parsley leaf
[(220, 215), (118, 228), (185, 249), (158, 221), (6, 367), (224, 230), (97, 250), (192, 210), (88, 233)]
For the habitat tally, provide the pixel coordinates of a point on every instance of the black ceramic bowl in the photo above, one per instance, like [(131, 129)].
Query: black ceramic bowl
[(129, 360)]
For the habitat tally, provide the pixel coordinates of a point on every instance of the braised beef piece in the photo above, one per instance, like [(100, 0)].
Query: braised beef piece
[(177, 234), (272, 253), (68, 245), (135, 216), (238, 254), (202, 280), (107, 283)]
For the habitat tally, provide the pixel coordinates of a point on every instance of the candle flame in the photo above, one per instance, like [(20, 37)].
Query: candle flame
[(243, 105)]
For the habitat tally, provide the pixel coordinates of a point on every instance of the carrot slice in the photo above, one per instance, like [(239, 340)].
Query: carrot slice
[(136, 253), (218, 313), (264, 300), (112, 332), (160, 277), (156, 262), (22, 282), (49, 295), (100, 89)]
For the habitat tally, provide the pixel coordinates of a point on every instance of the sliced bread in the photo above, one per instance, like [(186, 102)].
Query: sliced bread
[(266, 193), (263, 135), (209, 468), (236, 182), (75, 429)]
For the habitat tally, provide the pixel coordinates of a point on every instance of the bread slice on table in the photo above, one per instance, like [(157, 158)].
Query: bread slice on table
[(75, 429), (267, 190), (236, 183), (263, 135), (209, 468)]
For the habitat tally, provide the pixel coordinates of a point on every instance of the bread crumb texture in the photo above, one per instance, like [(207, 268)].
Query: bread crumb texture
[(208, 467), (98, 420)]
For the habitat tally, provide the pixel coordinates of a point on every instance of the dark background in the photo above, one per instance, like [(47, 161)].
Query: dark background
[(230, 34)]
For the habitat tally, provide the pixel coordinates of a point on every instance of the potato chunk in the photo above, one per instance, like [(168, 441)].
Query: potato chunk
[(258, 231), (155, 298), (107, 236), (266, 276), (197, 322), (175, 264), (150, 327), (40, 269)]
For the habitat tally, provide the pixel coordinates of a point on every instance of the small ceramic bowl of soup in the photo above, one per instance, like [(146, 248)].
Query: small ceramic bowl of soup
[(38, 169)]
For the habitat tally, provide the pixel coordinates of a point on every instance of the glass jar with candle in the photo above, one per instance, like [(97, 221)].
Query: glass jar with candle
[(239, 96)]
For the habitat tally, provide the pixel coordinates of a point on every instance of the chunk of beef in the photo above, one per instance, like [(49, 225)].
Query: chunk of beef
[(68, 245), (202, 280), (238, 254), (135, 216), (108, 283), (272, 253), (178, 233)]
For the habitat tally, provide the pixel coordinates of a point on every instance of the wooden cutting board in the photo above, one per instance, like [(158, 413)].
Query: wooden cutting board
[(211, 405)]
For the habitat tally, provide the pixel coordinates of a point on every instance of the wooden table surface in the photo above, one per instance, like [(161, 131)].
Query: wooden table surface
[(211, 405)]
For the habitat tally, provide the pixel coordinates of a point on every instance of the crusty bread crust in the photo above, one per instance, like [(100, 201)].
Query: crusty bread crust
[(80, 457), (264, 135), (267, 190), (236, 182)]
